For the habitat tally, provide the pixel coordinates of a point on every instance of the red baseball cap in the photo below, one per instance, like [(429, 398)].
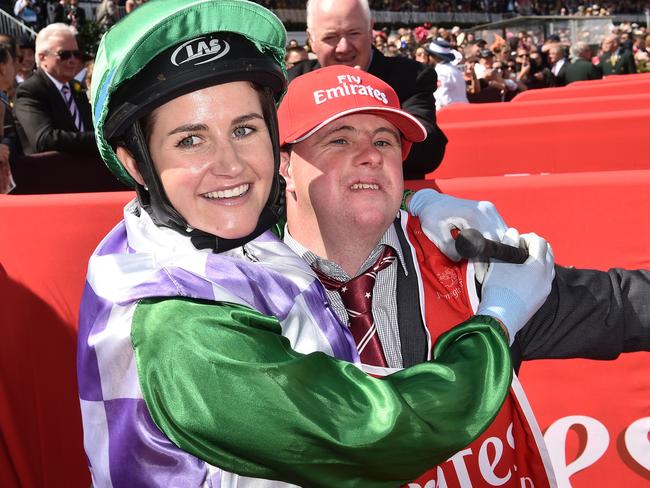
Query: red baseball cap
[(319, 97)]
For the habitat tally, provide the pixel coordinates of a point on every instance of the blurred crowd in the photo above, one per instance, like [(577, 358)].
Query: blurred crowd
[(518, 7), (498, 70), (36, 14)]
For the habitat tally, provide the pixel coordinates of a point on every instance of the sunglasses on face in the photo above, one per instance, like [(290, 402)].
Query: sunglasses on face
[(67, 54)]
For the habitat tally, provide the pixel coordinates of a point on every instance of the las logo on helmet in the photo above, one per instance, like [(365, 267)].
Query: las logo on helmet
[(198, 49)]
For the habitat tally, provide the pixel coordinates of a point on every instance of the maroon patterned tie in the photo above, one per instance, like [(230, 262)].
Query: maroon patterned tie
[(357, 298)]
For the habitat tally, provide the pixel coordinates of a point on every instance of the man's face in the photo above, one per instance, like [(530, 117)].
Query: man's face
[(610, 44), (295, 56), (340, 33), (554, 55), (422, 56), (62, 70), (487, 62), (349, 174), (27, 62)]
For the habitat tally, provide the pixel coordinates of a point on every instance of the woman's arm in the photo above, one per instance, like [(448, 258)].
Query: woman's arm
[(223, 384)]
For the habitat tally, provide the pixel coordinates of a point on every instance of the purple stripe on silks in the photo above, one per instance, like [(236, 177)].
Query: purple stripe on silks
[(267, 291), (115, 241), (170, 282), (141, 455), (338, 335), (94, 311), (193, 286)]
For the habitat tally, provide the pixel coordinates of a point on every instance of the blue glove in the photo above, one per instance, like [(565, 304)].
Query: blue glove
[(512, 293)]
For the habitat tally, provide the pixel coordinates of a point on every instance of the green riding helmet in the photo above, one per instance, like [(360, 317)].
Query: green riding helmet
[(165, 49)]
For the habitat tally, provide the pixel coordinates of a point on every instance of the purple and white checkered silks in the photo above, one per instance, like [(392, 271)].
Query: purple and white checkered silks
[(136, 260)]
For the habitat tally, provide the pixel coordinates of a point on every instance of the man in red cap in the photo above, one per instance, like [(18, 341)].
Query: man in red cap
[(344, 138)]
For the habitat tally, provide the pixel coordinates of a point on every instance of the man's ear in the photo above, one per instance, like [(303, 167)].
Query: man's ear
[(310, 39), (285, 170), (128, 161)]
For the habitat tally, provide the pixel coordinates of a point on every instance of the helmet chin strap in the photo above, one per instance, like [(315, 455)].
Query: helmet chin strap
[(153, 199)]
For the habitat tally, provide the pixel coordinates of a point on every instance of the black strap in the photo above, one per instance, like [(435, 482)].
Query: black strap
[(412, 333)]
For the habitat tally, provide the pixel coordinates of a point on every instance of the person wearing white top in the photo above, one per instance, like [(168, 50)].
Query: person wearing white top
[(451, 83)]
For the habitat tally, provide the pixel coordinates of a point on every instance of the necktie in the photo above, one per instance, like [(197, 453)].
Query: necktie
[(72, 107), (356, 295)]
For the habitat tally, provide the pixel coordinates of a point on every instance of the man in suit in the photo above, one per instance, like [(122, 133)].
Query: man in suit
[(558, 64), (581, 68), (340, 32), (616, 60), (52, 112)]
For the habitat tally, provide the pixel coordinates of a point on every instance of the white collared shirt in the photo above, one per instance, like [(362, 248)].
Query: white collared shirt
[(58, 85), (384, 306), (558, 66)]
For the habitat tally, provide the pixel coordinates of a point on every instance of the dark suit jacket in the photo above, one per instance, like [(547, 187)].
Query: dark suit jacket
[(414, 84), (581, 70), (624, 65), (588, 314), (560, 78), (44, 123)]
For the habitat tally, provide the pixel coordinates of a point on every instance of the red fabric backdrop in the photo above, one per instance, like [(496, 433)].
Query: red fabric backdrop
[(633, 85), (592, 219)]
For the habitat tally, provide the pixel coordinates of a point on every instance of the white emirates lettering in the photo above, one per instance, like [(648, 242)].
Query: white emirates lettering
[(490, 454), (349, 85), (597, 441)]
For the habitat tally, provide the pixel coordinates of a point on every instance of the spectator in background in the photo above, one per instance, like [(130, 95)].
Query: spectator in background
[(451, 83), (533, 73), (474, 48), (106, 14), (472, 85), (131, 5), (9, 135), (422, 55), (642, 56), (26, 61), (295, 55), (7, 74), (340, 32), (557, 64), (488, 76), (90, 66), (52, 113), (616, 60), (380, 41), (27, 12), (56, 11), (10, 43), (75, 15), (581, 68)]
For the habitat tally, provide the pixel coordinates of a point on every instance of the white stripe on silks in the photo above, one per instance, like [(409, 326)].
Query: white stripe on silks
[(366, 338)]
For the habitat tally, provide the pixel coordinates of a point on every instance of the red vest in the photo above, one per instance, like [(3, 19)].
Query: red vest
[(511, 452)]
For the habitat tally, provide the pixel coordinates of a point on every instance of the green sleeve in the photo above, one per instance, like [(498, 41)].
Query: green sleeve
[(223, 384)]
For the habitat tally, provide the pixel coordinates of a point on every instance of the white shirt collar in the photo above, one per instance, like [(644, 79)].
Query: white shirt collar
[(56, 82)]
